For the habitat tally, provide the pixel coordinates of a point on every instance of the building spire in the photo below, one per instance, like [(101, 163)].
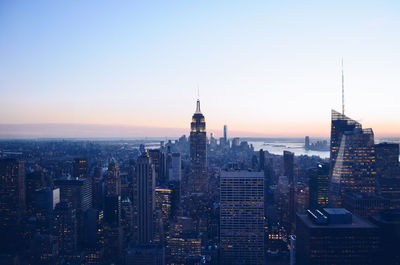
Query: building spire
[(198, 106), (342, 89)]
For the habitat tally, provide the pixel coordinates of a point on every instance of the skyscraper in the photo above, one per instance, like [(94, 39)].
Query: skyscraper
[(176, 165), (144, 198), (80, 168), (288, 165), (242, 217), (65, 228), (113, 179), (339, 124), (319, 184), (12, 203), (354, 165), (198, 152), (159, 161), (226, 133)]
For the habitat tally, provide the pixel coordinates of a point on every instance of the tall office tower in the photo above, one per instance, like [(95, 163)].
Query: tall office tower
[(354, 167), (45, 201), (159, 162), (226, 133), (302, 198), (65, 228), (388, 172), (12, 204), (318, 179), (176, 167), (93, 229), (198, 153), (34, 181), (80, 168), (389, 231), (163, 204), (76, 191), (144, 198), (339, 124), (113, 233), (113, 179), (307, 142), (387, 160), (335, 236), (288, 165), (262, 160), (97, 190), (127, 220), (79, 193), (242, 217)]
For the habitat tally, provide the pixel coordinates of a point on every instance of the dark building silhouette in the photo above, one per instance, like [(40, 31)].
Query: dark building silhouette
[(387, 160), (262, 160), (144, 198), (388, 172), (335, 236), (288, 165), (33, 182), (76, 191), (12, 204), (80, 168), (318, 186), (45, 200), (198, 153), (65, 229), (365, 204), (159, 161), (389, 231)]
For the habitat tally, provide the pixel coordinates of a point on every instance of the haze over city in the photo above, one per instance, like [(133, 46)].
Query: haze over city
[(95, 69)]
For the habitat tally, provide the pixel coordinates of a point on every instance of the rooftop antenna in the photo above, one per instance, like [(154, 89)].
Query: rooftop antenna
[(198, 100), (342, 89)]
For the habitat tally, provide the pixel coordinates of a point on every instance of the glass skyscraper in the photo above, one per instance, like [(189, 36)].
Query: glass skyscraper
[(352, 159)]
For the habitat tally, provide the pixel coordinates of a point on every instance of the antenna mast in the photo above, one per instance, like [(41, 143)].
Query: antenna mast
[(342, 89)]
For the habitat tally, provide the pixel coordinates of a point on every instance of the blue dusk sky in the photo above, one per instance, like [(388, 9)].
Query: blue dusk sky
[(131, 68)]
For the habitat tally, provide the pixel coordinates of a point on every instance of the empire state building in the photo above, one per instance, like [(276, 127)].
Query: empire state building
[(198, 152)]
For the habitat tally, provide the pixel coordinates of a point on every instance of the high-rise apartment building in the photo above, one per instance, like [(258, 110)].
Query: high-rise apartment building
[(242, 217)]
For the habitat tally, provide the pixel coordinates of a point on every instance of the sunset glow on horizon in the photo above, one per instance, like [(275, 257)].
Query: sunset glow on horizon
[(95, 69)]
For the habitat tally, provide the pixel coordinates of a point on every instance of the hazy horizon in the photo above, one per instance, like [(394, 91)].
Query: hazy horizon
[(263, 68)]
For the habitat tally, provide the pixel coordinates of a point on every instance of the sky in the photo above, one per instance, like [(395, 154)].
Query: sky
[(132, 68)]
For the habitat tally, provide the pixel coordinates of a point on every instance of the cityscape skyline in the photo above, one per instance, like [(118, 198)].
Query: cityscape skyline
[(88, 68)]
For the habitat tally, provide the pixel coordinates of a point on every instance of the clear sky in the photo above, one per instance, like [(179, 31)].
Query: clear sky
[(265, 68)]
